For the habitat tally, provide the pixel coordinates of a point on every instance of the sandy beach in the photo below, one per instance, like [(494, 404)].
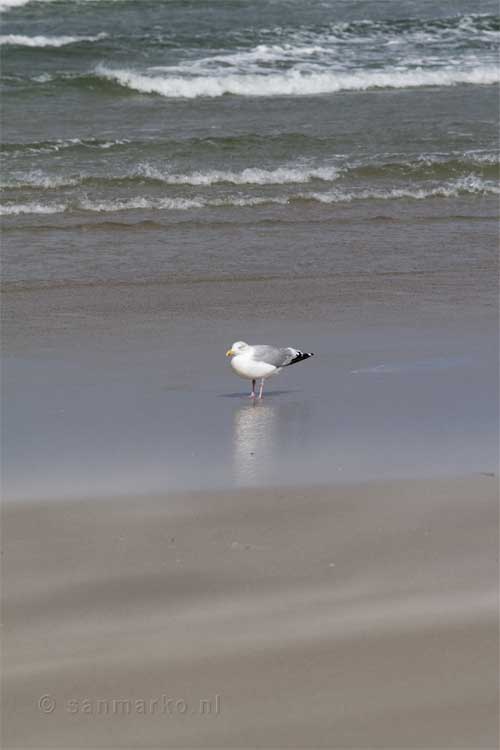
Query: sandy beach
[(349, 616), (184, 568)]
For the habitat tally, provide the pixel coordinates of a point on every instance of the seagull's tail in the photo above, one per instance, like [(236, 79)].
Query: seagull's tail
[(300, 356)]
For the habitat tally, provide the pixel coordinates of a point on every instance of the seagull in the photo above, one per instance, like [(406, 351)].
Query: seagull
[(262, 361)]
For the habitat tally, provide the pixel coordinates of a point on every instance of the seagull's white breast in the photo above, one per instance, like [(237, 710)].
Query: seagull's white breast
[(247, 367)]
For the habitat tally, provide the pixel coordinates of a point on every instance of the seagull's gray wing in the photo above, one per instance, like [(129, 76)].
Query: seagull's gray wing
[(273, 355)]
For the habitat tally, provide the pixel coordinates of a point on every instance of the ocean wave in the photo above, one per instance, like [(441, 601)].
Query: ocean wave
[(20, 40), (483, 157), (348, 45), (448, 31), (149, 173), (254, 59), (103, 206), (37, 179), (47, 147), (452, 189), (300, 144), (426, 165), (295, 83), (161, 204), (14, 209), (239, 45), (11, 4), (421, 167), (6, 5), (471, 185), (249, 176), (250, 200)]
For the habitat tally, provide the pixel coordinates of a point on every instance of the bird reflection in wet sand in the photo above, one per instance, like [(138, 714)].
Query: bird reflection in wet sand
[(259, 453), (253, 431)]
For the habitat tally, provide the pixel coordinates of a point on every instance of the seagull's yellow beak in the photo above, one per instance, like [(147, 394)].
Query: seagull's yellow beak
[(229, 353)]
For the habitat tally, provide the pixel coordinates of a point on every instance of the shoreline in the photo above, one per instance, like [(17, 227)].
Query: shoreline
[(176, 495)]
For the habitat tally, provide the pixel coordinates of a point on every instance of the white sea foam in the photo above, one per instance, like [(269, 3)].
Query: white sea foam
[(31, 208), (59, 145), (176, 204), (344, 44), (38, 179), (483, 157), (105, 144), (20, 40), (470, 158), (471, 185), (172, 204), (43, 78), (244, 201), (12, 4), (249, 176), (409, 38), (295, 82), (9, 4), (254, 60)]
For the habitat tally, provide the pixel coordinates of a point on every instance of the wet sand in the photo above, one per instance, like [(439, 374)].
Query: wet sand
[(360, 615), (124, 388)]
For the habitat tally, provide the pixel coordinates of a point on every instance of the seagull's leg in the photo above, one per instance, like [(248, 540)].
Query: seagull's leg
[(252, 395), (261, 387)]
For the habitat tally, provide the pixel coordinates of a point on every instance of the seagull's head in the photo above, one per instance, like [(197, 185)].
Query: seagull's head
[(237, 348)]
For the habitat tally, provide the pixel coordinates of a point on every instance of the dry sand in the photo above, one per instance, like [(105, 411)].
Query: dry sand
[(349, 616)]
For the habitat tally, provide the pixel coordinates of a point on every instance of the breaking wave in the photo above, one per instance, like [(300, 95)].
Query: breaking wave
[(169, 204), (6, 5), (31, 208), (471, 185), (47, 147), (20, 40), (10, 4), (249, 176), (426, 166), (37, 179), (294, 82), (453, 189)]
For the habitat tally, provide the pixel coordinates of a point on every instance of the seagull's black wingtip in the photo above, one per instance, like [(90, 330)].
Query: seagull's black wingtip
[(301, 356)]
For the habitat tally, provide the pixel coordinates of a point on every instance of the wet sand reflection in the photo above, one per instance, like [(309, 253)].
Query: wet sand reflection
[(266, 439)]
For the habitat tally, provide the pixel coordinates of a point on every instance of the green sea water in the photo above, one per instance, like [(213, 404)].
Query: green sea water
[(180, 117)]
